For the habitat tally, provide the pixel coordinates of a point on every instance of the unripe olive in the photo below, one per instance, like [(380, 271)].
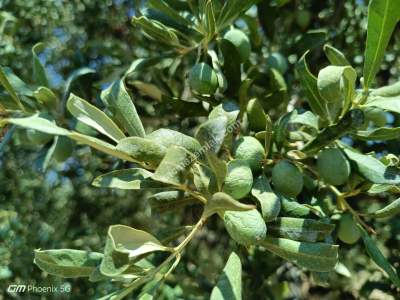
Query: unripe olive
[(348, 231), (249, 149), (287, 179), (203, 79), (241, 42), (303, 18), (239, 179), (376, 116), (256, 115), (245, 227), (63, 149), (333, 166), (278, 62)]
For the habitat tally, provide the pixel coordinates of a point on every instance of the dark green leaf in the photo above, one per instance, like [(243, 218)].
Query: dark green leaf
[(39, 72), (229, 285), (381, 134)]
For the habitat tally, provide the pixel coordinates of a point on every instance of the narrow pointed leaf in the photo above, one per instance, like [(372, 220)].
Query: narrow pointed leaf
[(221, 202), (269, 202), (39, 72), (388, 211), (335, 56)]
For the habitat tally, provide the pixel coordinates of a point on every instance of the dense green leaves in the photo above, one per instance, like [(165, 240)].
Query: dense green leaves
[(229, 285), (383, 16), (318, 257), (67, 263)]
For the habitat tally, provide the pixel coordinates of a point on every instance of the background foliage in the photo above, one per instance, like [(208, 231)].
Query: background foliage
[(58, 208)]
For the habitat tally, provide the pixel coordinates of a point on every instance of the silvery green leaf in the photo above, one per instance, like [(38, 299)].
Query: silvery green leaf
[(309, 84), (211, 134), (319, 257), (67, 263), (219, 167), (39, 72), (174, 167), (378, 134), (372, 169), (269, 202), (93, 117), (383, 16), (142, 149), (204, 179), (377, 256), (39, 123), (229, 109), (386, 103), (127, 179), (392, 90), (306, 118), (46, 97), (124, 244), (119, 103), (229, 285), (292, 208), (221, 202), (170, 200), (167, 138), (304, 230), (388, 211), (335, 56)]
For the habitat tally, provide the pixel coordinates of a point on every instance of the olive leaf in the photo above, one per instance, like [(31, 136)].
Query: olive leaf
[(231, 67), (229, 285), (211, 134), (351, 121), (319, 257), (392, 90), (93, 117), (209, 20), (170, 200), (310, 85), (127, 179), (73, 77), (142, 149), (216, 64), (269, 202), (157, 31), (204, 179), (303, 230), (372, 169), (377, 256), (119, 103), (40, 123), (39, 72), (175, 166), (219, 167), (67, 263), (221, 202), (10, 87), (335, 56), (378, 134), (163, 6), (167, 138), (383, 16), (388, 211), (46, 97), (231, 10), (387, 103), (229, 109), (292, 208), (123, 245)]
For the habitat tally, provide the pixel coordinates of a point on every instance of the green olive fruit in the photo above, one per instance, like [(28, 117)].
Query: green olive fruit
[(203, 79), (287, 179), (333, 166), (241, 42), (64, 148), (256, 115), (348, 231), (238, 180), (245, 227), (278, 62), (376, 116), (303, 18), (249, 149)]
